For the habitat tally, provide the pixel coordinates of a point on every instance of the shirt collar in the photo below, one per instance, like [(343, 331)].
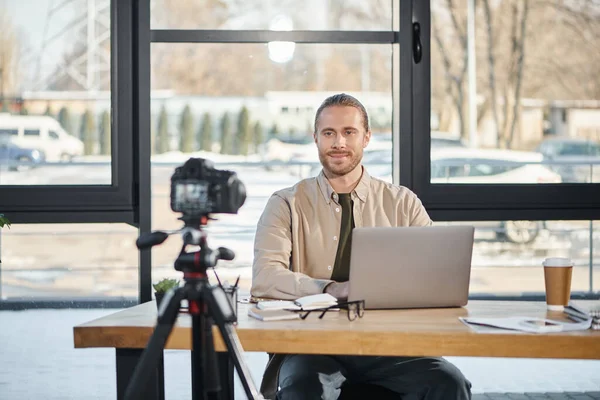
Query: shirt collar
[(361, 190)]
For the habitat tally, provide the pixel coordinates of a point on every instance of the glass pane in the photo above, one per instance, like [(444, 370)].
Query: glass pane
[(68, 261), (530, 110), (508, 255), (242, 96), (279, 15), (55, 119)]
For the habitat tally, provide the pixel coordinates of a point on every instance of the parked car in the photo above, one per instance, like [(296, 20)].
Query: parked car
[(469, 166), (442, 139), (459, 165), (17, 158), (42, 133), (576, 160)]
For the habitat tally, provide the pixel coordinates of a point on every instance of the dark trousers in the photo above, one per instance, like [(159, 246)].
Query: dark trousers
[(319, 377)]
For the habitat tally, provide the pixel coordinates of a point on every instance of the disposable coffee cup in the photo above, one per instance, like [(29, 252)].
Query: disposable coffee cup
[(557, 279)]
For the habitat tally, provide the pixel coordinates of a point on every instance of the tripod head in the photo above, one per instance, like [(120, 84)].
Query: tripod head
[(193, 235)]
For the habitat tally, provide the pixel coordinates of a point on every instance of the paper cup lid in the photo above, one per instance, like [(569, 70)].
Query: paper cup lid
[(557, 262)]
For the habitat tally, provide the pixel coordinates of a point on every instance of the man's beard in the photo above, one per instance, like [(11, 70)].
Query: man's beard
[(351, 161)]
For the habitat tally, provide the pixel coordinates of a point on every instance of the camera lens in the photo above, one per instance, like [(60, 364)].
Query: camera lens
[(238, 194)]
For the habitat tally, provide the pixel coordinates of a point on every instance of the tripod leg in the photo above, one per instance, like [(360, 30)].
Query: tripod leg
[(154, 350), (205, 380), (226, 371), (127, 359), (222, 313)]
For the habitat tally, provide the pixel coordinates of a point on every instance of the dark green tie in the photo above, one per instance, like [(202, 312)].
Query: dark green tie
[(341, 269)]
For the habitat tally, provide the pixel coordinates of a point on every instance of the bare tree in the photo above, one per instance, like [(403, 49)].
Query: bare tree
[(543, 49), (519, 50), (10, 55)]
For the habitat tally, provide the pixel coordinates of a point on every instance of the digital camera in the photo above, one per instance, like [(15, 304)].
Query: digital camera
[(198, 189)]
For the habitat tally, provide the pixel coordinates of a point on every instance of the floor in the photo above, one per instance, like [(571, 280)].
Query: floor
[(39, 361)]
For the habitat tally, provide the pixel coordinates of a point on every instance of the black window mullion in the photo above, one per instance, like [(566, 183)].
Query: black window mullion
[(142, 140), (402, 91)]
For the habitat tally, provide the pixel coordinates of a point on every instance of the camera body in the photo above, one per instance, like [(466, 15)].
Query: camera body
[(199, 189)]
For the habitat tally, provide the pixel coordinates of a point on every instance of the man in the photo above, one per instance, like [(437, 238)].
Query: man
[(302, 247)]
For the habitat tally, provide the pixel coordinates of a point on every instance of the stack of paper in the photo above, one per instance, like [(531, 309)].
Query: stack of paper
[(583, 310), (272, 315)]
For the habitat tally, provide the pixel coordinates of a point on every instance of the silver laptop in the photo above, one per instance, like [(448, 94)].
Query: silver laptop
[(412, 267)]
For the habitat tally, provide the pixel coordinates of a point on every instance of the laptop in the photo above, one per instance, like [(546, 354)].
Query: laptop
[(411, 267)]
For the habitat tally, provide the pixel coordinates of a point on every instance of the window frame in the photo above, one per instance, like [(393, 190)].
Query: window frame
[(114, 202)]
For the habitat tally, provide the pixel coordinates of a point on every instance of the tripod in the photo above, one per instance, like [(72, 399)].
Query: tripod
[(207, 305)]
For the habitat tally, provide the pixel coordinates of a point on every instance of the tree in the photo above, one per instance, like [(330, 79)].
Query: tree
[(205, 133), (24, 111), (10, 58), (88, 133), (48, 111), (505, 123), (259, 136), (524, 49), (274, 132), (152, 135), (244, 133), (226, 135), (105, 133), (162, 142), (64, 118), (186, 131)]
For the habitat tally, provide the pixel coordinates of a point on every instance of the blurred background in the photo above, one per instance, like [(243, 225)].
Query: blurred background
[(527, 113)]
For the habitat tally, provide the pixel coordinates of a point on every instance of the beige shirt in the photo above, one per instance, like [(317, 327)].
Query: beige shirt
[(297, 234)]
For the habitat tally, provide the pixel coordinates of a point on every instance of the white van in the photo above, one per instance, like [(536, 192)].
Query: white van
[(42, 133)]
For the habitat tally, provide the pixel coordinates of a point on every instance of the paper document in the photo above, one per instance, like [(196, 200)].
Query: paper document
[(525, 324)]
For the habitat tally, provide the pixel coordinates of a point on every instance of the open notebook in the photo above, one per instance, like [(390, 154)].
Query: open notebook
[(274, 310), (312, 302)]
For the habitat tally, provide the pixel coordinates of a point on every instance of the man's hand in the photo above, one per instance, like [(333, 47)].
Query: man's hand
[(339, 290)]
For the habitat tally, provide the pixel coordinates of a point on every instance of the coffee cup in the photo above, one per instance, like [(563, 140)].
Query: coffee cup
[(557, 279)]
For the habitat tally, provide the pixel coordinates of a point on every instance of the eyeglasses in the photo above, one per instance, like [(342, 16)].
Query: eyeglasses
[(356, 309)]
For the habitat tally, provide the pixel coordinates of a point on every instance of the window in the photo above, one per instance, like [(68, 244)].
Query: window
[(513, 122), (507, 255), (506, 109), (8, 131), (68, 261), (229, 111), (281, 15), (53, 135), (61, 81)]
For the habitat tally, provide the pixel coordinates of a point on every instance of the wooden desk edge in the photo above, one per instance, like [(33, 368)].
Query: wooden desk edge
[(466, 344)]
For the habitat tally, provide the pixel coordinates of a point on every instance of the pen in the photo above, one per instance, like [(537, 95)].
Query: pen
[(237, 281), (218, 280)]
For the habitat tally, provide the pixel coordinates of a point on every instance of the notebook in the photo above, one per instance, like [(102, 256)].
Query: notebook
[(272, 315), (312, 302)]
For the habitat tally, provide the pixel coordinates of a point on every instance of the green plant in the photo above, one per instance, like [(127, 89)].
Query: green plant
[(165, 285), (4, 221)]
